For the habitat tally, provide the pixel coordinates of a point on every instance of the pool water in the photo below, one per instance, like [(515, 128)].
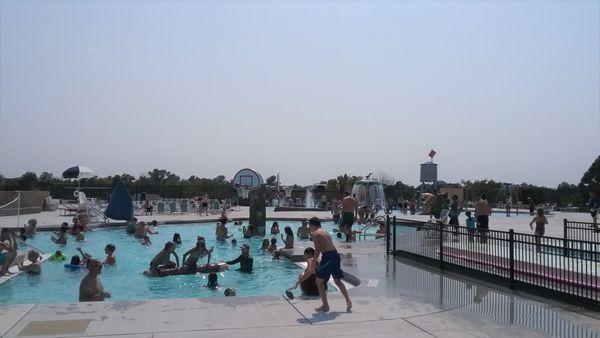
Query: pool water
[(126, 281)]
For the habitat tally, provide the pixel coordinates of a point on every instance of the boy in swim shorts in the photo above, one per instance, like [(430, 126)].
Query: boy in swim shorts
[(329, 265)]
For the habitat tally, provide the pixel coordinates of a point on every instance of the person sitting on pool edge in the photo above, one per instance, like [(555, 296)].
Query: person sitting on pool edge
[(307, 279), (246, 261), (91, 288), (162, 260)]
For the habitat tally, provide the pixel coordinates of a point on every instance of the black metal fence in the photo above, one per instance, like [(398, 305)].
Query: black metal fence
[(566, 269)]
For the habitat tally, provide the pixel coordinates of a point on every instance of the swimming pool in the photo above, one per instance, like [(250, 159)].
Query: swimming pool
[(126, 281)]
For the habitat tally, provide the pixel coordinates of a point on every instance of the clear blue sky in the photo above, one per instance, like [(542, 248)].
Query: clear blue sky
[(502, 90)]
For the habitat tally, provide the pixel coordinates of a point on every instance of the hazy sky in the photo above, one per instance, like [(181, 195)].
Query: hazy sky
[(502, 90)]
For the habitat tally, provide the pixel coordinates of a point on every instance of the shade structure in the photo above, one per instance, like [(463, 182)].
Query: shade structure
[(120, 206), (78, 172)]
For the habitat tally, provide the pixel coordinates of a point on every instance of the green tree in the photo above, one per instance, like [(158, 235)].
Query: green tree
[(271, 180), (590, 180), (28, 181)]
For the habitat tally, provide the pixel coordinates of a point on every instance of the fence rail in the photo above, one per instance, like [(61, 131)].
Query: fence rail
[(562, 268)]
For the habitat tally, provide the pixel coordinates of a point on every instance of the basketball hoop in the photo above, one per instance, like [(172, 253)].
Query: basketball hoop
[(242, 192)]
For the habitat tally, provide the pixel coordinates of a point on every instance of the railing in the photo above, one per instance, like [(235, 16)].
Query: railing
[(581, 231), (556, 267)]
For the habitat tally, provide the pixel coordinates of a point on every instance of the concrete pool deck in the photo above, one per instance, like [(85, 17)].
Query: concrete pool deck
[(395, 298)]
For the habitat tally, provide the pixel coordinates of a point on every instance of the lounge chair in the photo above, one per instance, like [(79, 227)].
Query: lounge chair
[(183, 206), (160, 207)]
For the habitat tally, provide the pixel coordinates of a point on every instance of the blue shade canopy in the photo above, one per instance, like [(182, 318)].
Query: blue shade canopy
[(120, 206)]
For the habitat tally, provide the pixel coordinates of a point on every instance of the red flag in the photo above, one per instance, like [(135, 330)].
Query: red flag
[(432, 153)]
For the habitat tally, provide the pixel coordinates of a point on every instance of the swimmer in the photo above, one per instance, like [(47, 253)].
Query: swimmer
[(79, 237), (237, 223), (289, 239), (212, 281), (146, 241), (91, 288), (34, 267), (247, 232), (176, 239), (273, 245), (109, 250), (85, 257), (224, 218), (275, 228), (234, 242), (61, 237), (230, 292), (246, 261), (265, 245), (131, 226), (221, 233), (191, 257), (162, 260), (31, 227), (303, 231), (57, 257)]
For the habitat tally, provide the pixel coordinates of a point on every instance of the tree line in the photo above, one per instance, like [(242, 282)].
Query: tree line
[(169, 185)]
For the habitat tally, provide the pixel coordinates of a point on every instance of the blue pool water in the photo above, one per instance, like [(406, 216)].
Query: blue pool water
[(126, 280)]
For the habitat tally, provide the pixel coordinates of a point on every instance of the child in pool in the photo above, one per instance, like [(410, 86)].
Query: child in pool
[(109, 250), (273, 245), (146, 241)]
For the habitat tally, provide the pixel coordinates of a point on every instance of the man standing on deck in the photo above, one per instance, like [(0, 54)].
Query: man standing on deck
[(483, 212), (349, 210), (329, 264)]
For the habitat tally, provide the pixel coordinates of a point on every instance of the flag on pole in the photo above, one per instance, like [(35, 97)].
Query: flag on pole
[(432, 154)]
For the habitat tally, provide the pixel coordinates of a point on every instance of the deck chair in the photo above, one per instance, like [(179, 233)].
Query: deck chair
[(160, 207), (183, 206)]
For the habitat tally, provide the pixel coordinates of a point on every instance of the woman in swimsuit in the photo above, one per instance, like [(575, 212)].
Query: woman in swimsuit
[(289, 239), (191, 257), (540, 228)]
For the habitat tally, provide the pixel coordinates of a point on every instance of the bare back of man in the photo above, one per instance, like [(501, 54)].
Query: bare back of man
[(349, 204), (329, 264)]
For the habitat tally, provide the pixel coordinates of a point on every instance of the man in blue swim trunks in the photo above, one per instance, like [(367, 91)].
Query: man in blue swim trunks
[(329, 265)]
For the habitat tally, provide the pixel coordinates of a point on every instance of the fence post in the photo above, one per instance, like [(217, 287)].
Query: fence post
[(511, 240), (387, 234), (394, 235), (565, 239), (441, 246)]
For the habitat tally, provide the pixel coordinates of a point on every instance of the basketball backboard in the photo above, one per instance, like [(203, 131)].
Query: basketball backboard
[(247, 179)]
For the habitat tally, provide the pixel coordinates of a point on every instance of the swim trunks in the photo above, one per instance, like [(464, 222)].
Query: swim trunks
[(2, 257), (330, 266), (347, 219)]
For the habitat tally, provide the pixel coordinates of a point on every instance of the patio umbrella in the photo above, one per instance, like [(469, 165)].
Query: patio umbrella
[(78, 172)]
